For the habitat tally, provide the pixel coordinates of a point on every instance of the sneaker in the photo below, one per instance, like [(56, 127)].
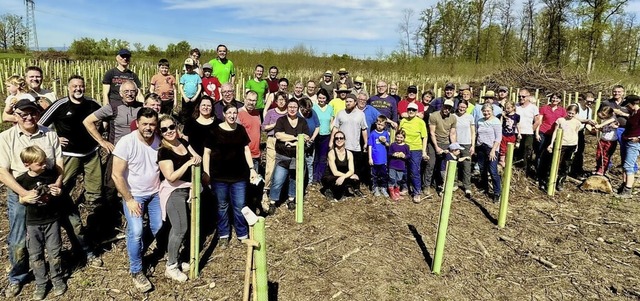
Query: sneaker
[(141, 282), (291, 204), (376, 192), (40, 292), (329, 194), (404, 192), (384, 192), (223, 243), (417, 199), (428, 193), (12, 290), (94, 261), (358, 193), (59, 288), (172, 272), (467, 193), (496, 198), (185, 267), (625, 193), (272, 208)]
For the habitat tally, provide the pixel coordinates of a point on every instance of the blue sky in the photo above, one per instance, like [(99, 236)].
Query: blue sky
[(362, 28), (357, 27)]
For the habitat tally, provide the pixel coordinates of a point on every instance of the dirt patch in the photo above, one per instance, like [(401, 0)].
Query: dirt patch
[(375, 249)]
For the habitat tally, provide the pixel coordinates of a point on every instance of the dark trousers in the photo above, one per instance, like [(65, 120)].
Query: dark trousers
[(361, 165), (320, 160), (578, 157), (379, 175), (329, 182), (40, 237), (166, 106), (566, 161), (525, 152), (543, 158)]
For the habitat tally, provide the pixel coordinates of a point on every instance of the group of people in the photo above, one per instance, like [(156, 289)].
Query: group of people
[(384, 143)]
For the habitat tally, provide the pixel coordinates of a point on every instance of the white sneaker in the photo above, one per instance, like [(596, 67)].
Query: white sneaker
[(174, 273), (184, 267)]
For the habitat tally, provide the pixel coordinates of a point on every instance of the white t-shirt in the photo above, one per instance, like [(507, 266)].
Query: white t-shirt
[(351, 124), (527, 114), (142, 173), (463, 128)]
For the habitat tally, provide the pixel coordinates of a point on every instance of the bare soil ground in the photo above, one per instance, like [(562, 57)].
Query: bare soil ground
[(374, 249)]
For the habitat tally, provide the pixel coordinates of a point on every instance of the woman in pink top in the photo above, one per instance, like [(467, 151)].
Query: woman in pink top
[(544, 126)]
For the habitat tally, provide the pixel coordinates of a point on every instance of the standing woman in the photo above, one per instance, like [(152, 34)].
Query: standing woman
[(466, 136), (286, 132), (570, 126), (268, 124), (324, 112), (175, 158), (489, 130), (200, 125), (545, 123), (228, 166)]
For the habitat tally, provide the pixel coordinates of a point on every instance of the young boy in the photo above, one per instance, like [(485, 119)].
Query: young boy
[(210, 83), (378, 143), (453, 154), (190, 87), (43, 229), (398, 154), (163, 84)]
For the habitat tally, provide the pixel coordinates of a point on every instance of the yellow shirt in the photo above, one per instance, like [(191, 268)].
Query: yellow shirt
[(415, 130), (338, 105)]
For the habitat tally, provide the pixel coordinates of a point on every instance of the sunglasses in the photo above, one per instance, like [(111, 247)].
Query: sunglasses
[(167, 128), (338, 138), (24, 115), (412, 109)]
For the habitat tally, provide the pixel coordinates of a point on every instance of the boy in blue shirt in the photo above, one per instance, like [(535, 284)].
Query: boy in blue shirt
[(378, 143), (191, 87)]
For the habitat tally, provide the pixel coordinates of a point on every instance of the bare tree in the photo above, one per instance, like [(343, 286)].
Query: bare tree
[(599, 12), (406, 30)]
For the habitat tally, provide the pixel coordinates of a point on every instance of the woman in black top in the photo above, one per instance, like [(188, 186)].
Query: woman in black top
[(201, 125), (286, 132), (175, 158), (340, 177), (228, 165)]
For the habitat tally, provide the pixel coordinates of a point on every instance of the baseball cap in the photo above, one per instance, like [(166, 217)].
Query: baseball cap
[(489, 94), (449, 102), (124, 52), (207, 66), (449, 86), (412, 105), (503, 88), (359, 79), (189, 61), (464, 87), (328, 73), (455, 146), (26, 103), (412, 89)]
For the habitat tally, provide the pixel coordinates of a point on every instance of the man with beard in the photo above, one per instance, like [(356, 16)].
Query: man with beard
[(137, 177), (223, 67), (115, 77), (358, 86), (273, 79), (393, 92), (328, 84), (228, 97), (33, 77), (442, 132), (80, 155), (449, 90), (353, 124), (412, 94), (249, 117), (26, 132), (385, 103), (344, 78)]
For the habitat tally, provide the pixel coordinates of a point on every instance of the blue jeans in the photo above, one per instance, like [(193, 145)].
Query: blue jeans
[(395, 178), (483, 151), (380, 175), (630, 160), (415, 158), (624, 146), (280, 174), (231, 194), (18, 254), (308, 160), (135, 244)]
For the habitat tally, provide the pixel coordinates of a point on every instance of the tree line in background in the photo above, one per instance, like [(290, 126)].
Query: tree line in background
[(13, 33), (586, 34)]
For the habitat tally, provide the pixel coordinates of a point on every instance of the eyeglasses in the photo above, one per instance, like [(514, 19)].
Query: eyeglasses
[(130, 91), (522, 96), (338, 138), (24, 115), (227, 91), (168, 128)]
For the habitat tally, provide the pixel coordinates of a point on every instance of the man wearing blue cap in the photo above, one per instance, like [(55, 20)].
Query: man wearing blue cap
[(118, 75)]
